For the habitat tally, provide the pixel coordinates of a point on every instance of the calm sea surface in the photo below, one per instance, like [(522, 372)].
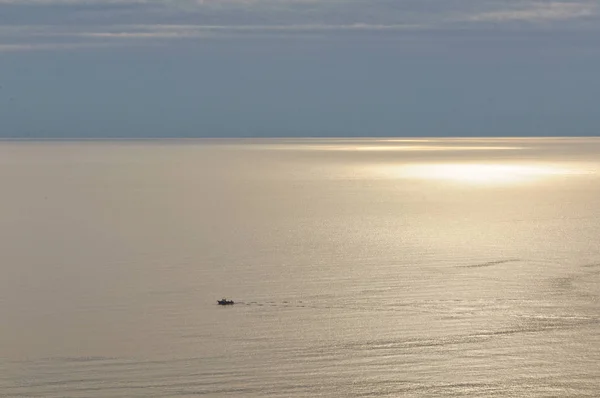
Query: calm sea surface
[(443, 267)]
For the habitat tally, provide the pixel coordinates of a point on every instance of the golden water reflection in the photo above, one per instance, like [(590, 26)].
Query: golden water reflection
[(418, 148), (391, 147), (483, 173)]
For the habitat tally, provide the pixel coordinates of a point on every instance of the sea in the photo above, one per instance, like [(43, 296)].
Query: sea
[(439, 267)]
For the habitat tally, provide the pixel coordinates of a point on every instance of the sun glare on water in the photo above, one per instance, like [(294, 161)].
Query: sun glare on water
[(480, 173)]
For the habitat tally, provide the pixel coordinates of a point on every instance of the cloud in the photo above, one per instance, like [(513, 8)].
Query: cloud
[(72, 2), (36, 22), (183, 31), (49, 46), (535, 12)]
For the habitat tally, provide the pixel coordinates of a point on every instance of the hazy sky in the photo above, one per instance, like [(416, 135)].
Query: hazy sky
[(92, 68)]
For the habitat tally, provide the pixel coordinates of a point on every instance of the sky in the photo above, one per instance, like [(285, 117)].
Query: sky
[(263, 68)]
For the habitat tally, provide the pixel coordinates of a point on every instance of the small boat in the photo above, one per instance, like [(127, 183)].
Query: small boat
[(225, 302)]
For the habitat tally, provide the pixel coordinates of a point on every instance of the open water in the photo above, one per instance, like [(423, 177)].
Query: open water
[(359, 267)]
